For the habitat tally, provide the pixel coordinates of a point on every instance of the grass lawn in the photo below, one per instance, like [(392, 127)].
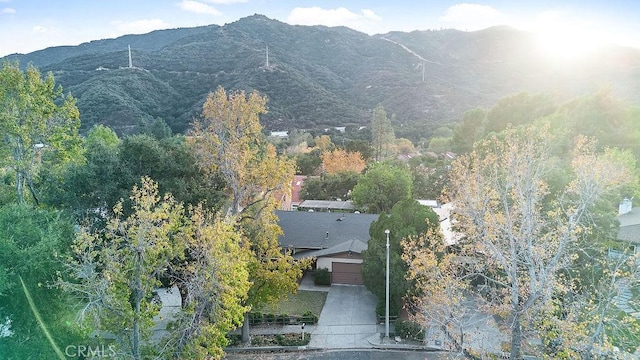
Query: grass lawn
[(299, 303)]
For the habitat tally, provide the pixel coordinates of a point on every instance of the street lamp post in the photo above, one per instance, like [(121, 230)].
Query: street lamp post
[(386, 305)]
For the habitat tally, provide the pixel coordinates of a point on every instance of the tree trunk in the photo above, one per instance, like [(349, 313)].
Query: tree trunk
[(19, 186), (245, 329), (516, 336), (32, 190)]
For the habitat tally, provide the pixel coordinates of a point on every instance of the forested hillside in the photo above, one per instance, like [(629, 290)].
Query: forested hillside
[(319, 76)]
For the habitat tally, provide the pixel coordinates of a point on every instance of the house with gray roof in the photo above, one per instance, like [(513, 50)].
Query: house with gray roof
[(327, 205), (629, 230), (336, 240)]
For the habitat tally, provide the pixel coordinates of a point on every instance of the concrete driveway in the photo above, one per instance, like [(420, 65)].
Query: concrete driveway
[(348, 319)]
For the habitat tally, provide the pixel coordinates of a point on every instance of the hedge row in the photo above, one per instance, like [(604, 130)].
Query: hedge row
[(257, 318), (291, 339)]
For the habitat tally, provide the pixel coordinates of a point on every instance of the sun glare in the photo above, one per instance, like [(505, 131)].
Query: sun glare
[(563, 42)]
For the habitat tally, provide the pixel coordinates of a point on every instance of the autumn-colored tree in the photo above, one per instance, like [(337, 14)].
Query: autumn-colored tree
[(520, 232), (37, 124), (216, 277), (323, 143), (116, 273), (339, 160), (228, 141), (440, 298)]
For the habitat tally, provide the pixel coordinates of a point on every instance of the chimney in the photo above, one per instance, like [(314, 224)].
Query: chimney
[(625, 206), (327, 238)]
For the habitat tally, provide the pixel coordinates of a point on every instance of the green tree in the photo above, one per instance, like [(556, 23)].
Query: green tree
[(361, 146), (32, 244), (102, 134), (381, 187), (382, 135), (470, 130), (309, 163), (329, 187), (439, 145), (91, 189), (154, 127), (38, 124), (519, 109), (601, 116), (406, 218)]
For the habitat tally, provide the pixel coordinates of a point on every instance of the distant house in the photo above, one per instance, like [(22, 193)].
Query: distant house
[(280, 134), (296, 187), (327, 205), (629, 218), (336, 240), (429, 203)]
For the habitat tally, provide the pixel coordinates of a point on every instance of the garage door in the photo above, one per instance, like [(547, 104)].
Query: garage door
[(345, 273)]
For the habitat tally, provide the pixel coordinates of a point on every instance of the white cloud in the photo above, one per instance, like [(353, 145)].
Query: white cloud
[(38, 29), (367, 20), (139, 26), (369, 14), (224, 2), (198, 7), (472, 17), (8, 11)]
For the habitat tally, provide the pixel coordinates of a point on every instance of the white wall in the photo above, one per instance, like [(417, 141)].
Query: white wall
[(325, 262)]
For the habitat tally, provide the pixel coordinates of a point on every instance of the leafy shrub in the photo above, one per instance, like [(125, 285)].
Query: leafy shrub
[(309, 318), (256, 318), (282, 319), (322, 277), (291, 339), (394, 308), (409, 330), (269, 318), (234, 339)]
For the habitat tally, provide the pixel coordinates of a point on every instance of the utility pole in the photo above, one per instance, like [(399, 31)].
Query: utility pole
[(267, 62), (386, 305), (130, 61)]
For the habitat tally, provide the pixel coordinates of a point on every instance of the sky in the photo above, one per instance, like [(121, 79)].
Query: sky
[(563, 26)]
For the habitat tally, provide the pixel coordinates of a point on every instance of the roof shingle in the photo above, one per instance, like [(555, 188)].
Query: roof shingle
[(308, 230)]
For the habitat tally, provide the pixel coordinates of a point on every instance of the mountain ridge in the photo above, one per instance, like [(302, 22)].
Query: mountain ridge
[(320, 76)]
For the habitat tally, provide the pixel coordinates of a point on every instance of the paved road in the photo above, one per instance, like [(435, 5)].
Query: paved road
[(348, 319), (343, 354)]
